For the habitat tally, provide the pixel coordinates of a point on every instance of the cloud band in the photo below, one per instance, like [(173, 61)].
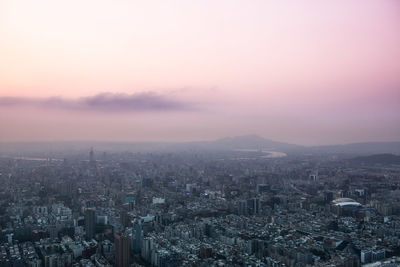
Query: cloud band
[(105, 102)]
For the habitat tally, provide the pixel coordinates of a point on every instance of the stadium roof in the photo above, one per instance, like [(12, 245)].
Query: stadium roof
[(345, 202)]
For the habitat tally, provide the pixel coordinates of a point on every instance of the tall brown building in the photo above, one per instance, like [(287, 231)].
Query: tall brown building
[(122, 249)]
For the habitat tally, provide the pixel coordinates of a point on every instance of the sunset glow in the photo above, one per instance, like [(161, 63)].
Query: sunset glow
[(306, 72)]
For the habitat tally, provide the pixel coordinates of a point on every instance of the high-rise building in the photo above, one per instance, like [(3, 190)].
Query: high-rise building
[(262, 188), (122, 249), (92, 161), (125, 220), (256, 206), (91, 155), (253, 206), (147, 248), (90, 223), (138, 235), (242, 207), (366, 256)]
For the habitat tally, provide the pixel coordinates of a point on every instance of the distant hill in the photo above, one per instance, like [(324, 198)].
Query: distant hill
[(252, 142), (378, 159), (366, 148), (257, 142)]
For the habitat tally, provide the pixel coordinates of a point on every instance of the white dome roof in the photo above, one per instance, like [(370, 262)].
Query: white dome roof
[(345, 202)]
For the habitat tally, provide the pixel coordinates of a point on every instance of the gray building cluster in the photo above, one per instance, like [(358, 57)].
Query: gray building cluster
[(193, 208)]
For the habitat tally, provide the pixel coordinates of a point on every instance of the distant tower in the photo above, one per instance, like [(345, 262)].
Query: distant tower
[(91, 155), (90, 223), (122, 249)]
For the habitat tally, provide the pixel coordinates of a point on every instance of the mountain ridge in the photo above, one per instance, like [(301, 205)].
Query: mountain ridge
[(250, 141)]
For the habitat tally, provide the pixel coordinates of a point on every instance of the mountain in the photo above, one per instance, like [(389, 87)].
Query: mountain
[(377, 159), (251, 142)]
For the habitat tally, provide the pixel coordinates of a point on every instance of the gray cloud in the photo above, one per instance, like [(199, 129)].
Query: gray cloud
[(106, 102)]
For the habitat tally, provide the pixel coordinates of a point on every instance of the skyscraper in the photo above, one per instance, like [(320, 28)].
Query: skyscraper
[(138, 235), (256, 206), (122, 249), (242, 207), (125, 220), (91, 156), (90, 223)]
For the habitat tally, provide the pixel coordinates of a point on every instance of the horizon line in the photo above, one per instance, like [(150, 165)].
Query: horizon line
[(191, 141)]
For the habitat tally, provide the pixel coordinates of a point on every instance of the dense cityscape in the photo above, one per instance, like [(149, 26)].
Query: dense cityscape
[(199, 133), (199, 208)]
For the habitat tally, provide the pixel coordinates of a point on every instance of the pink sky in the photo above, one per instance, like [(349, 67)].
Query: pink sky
[(307, 72)]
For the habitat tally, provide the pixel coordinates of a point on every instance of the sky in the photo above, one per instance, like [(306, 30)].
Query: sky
[(305, 72)]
